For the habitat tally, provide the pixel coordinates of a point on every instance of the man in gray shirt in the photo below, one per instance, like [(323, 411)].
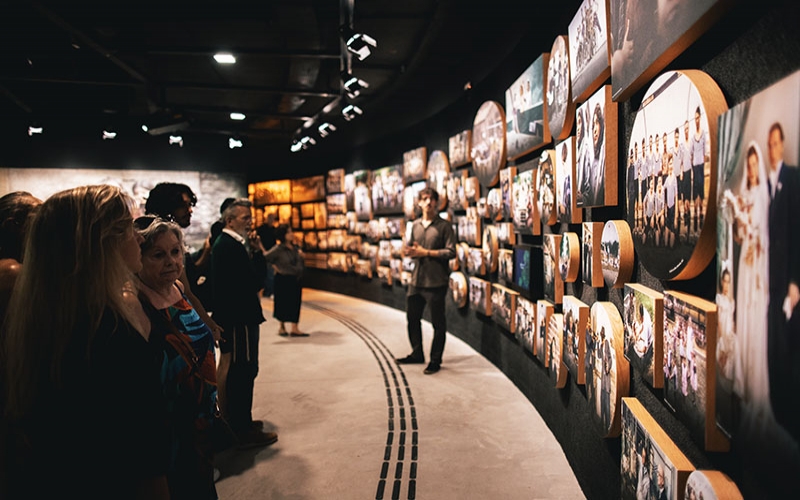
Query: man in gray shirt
[(431, 244)]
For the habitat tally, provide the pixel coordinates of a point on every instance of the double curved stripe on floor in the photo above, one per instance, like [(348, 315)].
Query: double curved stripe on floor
[(403, 408)]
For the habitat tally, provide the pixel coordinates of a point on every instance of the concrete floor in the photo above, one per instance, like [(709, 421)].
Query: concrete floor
[(353, 424)]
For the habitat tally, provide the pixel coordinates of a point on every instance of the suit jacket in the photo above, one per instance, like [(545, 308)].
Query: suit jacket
[(237, 278), (784, 237)]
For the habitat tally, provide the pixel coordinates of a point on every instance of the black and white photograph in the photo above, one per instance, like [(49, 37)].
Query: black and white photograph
[(387, 190), (569, 256), (456, 197), (544, 310), (490, 247), (494, 204), (489, 143), (476, 263), (505, 233), (546, 188), (414, 164), (411, 199), (506, 188), (505, 265), (480, 296), (711, 485), (272, 192), (526, 323), (337, 203), (458, 289), (553, 285), (596, 151), (560, 106), (589, 59), (526, 127), (337, 261), (616, 253), (591, 271), (554, 363), (643, 315), (308, 189), (459, 148), (576, 320), (566, 207), (334, 181), (504, 307), (526, 218), (607, 371)]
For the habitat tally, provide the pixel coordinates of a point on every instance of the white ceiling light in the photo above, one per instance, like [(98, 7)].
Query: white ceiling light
[(176, 139), (359, 44), (325, 129), (224, 58), (237, 116), (109, 134), (351, 111), (144, 128), (296, 146), (233, 143), (354, 85), (35, 130)]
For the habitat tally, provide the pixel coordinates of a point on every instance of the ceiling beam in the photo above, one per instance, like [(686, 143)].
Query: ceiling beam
[(277, 54), (16, 100), (250, 114)]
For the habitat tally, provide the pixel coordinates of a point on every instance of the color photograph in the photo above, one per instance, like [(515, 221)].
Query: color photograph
[(272, 192), (526, 128), (488, 142), (643, 314)]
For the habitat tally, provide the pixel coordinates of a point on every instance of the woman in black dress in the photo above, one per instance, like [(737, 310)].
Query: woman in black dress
[(287, 261)]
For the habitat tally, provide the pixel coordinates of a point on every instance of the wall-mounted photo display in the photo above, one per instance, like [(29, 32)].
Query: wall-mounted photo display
[(307, 210), (589, 55), (711, 485), (494, 203), (504, 307), (544, 310), (651, 466), (607, 370), (472, 189), (459, 147), (526, 323), (462, 255), (554, 344), (616, 253), (320, 215), (560, 106), (337, 261), (387, 190), (308, 189), (456, 197), (690, 341), (396, 265), (438, 173), (526, 126), (490, 248), (480, 296), (596, 151), (546, 188), (569, 257), (385, 275), (458, 289), (476, 263), (272, 192), (576, 320), (643, 315), (482, 208), (591, 270), (646, 37), (414, 164), (411, 199), (307, 224), (285, 214), (505, 265), (553, 285), (334, 181), (526, 217), (364, 268), (757, 259), (337, 203), (310, 241), (506, 190), (336, 238), (566, 204), (489, 142), (671, 181), (362, 197), (505, 232)]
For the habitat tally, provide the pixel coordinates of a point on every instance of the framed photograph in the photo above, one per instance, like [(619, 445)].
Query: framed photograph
[(591, 270), (320, 215), (285, 214), (489, 142), (506, 191), (459, 147), (505, 265), (387, 190), (384, 251), (472, 189), (546, 188), (337, 261), (490, 248), (494, 204), (643, 315), (414, 164), (364, 268), (576, 320), (569, 257), (553, 286), (307, 224), (334, 182), (526, 217), (438, 173), (308, 189), (607, 370), (526, 126), (555, 363), (566, 206), (523, 265), (336, 221), (651, 462), (476, 263), (411, 198), (336, 238), (526, 323), (504, 307), (462, 255), (505, 233), (384, 275), (396, 265), (307, 210), (670, 179), (544, 310), (311, 241), (711, 485), (644, 42), (560, 106), (480, 296), (690, 333), (296, 224), (616, 253), (458, 289), (272, 192), (589, 55), (596, 151), (456, 197)]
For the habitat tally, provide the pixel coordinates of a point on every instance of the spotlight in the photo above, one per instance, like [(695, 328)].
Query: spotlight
[(351, 111), (325, 129), (35, 130), (224, 58), (233, 143), (107, 134), (353, 85), (144, 128), (358, 43), (307, 141), (237, 116), (296, 146), (176, 139)]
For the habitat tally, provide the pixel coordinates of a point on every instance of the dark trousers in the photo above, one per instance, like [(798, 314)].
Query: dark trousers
[(242, 375), (415, 305)]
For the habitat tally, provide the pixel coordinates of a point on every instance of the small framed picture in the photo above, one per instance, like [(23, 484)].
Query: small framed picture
[(576, 320), (607, 370)]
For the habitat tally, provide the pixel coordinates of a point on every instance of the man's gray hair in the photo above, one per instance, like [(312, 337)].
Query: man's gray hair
[(230, 209)]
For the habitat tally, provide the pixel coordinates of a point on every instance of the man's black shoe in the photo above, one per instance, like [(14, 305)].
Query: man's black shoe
[(411, 360), (432, 368)]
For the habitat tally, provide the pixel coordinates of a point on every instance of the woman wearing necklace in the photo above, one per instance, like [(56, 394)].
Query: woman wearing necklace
[(287, 260), (189, 370)]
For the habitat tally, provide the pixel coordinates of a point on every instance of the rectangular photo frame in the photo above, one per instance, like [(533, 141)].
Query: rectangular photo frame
[(596, 157), (526, 126), (504, 307), (414, 164), (526, 323), (643, 316), (460, 149), (566, 205), (480, 296), (589, 54)]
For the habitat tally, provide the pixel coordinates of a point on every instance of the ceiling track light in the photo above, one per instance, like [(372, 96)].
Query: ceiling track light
[(325, 129), (224, 58), (359, 44), (351, 111), (296, 146), (353, 85), (176, 139), (108, 134), (37, 130), (234, 143), (237, 116)]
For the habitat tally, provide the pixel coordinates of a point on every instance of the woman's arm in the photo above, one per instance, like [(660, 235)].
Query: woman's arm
[(198, 306)]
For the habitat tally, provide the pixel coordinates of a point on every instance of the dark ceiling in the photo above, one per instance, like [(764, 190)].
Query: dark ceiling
[(128, 63)]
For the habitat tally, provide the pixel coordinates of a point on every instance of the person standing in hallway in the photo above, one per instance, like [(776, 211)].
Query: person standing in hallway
[(266, 232), (431, 243), (287, 261)]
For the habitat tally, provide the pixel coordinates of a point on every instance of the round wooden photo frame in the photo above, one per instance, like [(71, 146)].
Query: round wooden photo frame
[(489, 142), (462, 254), (494, 204), (569, 257), (616, 253), (560, 106), (458, 289), (607, 370), (671, 174), (490, 247), (711, 484), (438, 174)]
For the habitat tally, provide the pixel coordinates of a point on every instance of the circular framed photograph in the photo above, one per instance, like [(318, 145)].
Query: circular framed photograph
[(569, 257), (489, 142), (560, 107), (616, 253), (607, 370), (458, 289), (494, 204), (490, 247)]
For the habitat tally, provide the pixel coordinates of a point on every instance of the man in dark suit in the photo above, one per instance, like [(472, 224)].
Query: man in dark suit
[(784, 276), (237, 276)]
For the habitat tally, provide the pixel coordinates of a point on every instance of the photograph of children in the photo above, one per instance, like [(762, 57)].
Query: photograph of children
[(555, 334), (576, 319), (526, 218), (616, 253), (711, 485), (546, 188), (566, 208), (272, 192), (490, 248), (757, 251), (560, 107), (308, 189), (526, 128), (458, 289), (387, 190), (488, 142), (476, 263), (506, 190), (591, 271), (456, 197), (414, 164), (480, 298), (553, 286), (644, 319), (569, 257), (320, 215), (505, 265), (505, 232), (504, 307), (334, 182), (589, 59), (494, 204), (438, 173), (595, 147), (690, 327), (526, 323), (544, 310), (459, 147), (669, 176), (607, 371), (646, 35), (410, 199)]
